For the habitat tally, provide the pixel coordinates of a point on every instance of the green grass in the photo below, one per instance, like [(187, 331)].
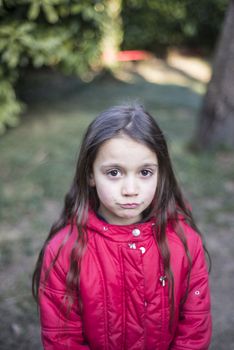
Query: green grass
[(37, 165)]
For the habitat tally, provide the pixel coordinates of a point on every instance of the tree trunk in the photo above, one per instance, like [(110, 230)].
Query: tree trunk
[(112, 33), (216, 124)]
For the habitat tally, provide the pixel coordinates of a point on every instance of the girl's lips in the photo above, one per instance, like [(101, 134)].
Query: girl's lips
[(129, 205)]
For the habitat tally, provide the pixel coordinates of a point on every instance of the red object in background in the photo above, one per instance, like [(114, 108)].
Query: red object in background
[(132, 55)]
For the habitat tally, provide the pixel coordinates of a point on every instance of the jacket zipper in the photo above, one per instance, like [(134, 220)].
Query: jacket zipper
[(162, 280), (123, 300)]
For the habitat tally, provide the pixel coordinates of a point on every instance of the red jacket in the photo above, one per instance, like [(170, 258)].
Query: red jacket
[(124, 293)]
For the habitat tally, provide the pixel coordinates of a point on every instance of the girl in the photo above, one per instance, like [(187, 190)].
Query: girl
[(124, 266)]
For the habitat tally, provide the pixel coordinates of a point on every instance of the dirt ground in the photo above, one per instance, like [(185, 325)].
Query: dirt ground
[(221, 246)]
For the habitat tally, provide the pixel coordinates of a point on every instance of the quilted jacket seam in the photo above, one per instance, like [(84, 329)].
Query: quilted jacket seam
[(104, 294), (57, 261)]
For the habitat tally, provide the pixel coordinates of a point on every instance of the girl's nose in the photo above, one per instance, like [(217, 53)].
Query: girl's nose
[(130, 187)]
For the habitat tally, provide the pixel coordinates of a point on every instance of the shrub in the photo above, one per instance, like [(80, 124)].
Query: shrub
[(157, 25), (65, 34)]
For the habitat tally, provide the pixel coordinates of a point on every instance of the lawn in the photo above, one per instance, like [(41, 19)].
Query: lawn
[(37, 165)]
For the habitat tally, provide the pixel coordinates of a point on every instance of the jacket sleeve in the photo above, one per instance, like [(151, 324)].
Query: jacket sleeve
[(60, 328), (193, 331)]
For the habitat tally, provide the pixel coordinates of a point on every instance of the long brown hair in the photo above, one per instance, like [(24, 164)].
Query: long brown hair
[(138, 124)]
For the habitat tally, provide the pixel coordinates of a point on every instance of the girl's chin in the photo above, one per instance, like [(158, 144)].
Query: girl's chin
[(128, 219), (123, 217)]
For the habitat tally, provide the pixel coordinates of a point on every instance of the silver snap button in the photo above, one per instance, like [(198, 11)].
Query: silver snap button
[(142, 249), (136, 232), (105, 228), (197, 292)]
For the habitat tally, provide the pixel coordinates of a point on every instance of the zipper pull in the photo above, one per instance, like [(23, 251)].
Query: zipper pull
[(162, 279)]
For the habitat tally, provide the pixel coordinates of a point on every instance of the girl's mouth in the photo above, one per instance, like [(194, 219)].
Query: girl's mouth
[(130, 205)]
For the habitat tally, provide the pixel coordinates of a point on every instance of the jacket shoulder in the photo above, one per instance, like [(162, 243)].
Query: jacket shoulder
[(183, 231), (67, 235), (60, 247)]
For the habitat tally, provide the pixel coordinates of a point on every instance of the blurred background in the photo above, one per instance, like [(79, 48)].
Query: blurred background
[(64, 61)]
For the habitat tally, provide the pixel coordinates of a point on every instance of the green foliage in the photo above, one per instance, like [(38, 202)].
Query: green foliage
[(65, 34), (156, 25), (71, 35), (10, 106)]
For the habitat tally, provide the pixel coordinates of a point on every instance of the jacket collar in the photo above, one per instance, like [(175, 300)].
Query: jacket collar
[(118, 233)]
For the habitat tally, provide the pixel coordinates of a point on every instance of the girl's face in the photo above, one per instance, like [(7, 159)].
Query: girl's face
[(125, 176)]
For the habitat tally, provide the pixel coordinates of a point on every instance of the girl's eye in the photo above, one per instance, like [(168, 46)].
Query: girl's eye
[(113, 172), (146, 172)]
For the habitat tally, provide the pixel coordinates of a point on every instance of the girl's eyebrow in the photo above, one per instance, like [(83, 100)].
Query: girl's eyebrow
[(115, 165), (146, 165), (111, 165)]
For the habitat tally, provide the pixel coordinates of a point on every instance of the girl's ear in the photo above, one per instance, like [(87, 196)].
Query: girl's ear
[(91, 181)]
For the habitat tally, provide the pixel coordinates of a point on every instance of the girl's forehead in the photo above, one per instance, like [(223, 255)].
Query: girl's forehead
[(124, 149)]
